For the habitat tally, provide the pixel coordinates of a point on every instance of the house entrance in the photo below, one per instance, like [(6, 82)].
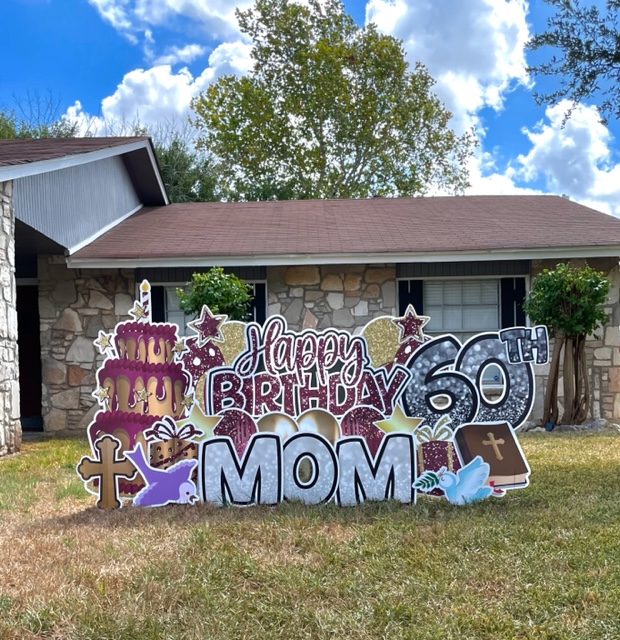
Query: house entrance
[(29, 344)]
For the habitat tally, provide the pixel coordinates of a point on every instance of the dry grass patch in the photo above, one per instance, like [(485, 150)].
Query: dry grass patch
[(541, 563)]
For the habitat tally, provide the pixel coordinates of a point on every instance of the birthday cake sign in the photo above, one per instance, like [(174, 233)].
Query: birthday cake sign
[(245, 414)]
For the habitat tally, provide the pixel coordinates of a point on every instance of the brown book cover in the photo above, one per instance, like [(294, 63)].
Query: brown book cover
[(497, 445)]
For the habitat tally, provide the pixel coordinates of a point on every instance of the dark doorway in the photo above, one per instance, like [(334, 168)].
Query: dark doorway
[(29, 344)]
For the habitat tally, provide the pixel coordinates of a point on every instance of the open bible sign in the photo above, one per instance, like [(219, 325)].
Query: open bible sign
[(241, 414)]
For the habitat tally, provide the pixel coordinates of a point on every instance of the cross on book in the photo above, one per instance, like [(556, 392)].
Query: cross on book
[(495, 444), (108, 468)]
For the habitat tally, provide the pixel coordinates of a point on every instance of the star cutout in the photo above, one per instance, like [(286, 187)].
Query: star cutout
[(179, 348), (208, 326), (202, 422), (188, 400), (138, 312), (142, 395), (102, 394), (398, 421), (411, 324), (104, 341)]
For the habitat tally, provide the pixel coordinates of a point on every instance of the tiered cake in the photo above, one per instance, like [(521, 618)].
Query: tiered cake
[(139, 386)]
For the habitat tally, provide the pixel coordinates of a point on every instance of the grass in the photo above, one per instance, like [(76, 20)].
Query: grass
[(541, 563)]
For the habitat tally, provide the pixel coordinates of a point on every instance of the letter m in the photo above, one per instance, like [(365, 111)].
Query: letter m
[(389, 477), (257, 479)]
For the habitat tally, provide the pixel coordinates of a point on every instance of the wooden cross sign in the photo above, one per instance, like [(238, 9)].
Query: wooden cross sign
[(107, 467)]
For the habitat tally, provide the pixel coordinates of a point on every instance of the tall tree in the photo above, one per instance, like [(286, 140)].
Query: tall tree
[(587, 62), (329, 110)]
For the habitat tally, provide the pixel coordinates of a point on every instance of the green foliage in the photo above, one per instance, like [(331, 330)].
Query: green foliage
[(187, 174), (12, 126), (329, 110), (223, 293), (568, 300), (588, 62)]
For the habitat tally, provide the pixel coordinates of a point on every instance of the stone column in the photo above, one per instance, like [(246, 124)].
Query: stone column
[(10, 426), (74, 306)]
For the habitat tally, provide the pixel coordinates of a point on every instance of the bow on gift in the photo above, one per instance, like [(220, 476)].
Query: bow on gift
[(167, 429), (441, 431)]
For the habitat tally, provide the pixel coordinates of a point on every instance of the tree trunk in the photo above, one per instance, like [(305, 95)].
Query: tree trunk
[(569, 382), (576, 383), (583, 398), (550, 408)]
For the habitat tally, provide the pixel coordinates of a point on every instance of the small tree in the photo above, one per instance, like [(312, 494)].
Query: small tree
[(569, 301), (223, 293)]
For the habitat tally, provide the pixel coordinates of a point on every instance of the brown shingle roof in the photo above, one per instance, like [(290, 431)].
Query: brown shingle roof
[(21, 151), (377, 225)]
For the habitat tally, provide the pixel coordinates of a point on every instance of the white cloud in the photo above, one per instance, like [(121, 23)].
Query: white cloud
[(473, 48), (215, 17), (114, 12), (186, 54), (160, 95), (575, 159)]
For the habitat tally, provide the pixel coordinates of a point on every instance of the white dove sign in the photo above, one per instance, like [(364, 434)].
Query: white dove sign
[(245, 414)]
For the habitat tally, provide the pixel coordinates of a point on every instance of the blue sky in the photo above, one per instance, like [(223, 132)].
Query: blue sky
[(108, 60)]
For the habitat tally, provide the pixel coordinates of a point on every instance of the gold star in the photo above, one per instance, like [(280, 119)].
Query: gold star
[(179, 348), (104, 341), (398, 421), (202, 422), (102, 394), (188, 400), (138, 312), (142, 395)]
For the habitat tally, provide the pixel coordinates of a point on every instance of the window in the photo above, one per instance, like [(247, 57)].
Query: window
[(166, 308), (465, 307), (461, 307)]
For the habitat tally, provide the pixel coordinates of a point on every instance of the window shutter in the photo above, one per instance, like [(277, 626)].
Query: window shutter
[(258, 307), (513, 294), (411, 292), (158, 304)]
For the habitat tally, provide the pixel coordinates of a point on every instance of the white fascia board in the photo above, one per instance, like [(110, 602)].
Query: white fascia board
[(348, 258), (155, 166), (100, 232), (13, 172)]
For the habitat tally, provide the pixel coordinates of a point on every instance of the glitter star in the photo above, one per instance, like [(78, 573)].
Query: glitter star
[(104, 342), (142, 395), (188, 400), (208, 326), (411, 324), (102, 394), (179, 348), (138, 312), (398, 421), (202, 422)]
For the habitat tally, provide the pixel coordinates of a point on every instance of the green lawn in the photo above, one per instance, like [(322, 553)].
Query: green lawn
[(541, 563)]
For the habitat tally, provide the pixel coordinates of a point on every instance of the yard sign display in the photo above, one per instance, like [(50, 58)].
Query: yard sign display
[(244, 414)]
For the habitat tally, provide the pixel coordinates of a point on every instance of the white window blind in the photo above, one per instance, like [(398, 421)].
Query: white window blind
[(461, 307)]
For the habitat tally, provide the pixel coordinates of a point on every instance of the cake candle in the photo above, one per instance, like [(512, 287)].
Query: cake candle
[(145, 300)]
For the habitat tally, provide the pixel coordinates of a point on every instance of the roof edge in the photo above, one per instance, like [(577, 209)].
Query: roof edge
[(596, 251), (36, 167)]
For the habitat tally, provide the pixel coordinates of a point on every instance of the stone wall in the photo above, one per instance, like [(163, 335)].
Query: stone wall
[(602, 350), (10, 426), (74, 305), (340, 296)]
